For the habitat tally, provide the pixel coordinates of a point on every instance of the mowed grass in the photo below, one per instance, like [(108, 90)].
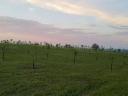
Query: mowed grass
[(55, 73)]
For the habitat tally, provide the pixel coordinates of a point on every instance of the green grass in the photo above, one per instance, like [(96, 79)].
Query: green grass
[(57, 75)]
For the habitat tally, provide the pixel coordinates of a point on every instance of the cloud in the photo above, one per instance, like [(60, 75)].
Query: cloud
[(78, 9), (124, 33), (118, 27), (58, 5), (32, 30)]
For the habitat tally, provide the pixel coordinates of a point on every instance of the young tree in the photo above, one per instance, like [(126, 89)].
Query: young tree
[(75, 56), (4, 44), (3, 53), (33, 63), (58, 45), (111, 64), (95, 46)]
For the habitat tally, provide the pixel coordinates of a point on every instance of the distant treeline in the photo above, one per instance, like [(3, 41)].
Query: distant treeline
[(94, 46)]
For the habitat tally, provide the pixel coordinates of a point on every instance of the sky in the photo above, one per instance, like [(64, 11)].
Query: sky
[(66, 21)]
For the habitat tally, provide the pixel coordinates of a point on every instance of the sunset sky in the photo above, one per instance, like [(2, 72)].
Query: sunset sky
[(66, 21)]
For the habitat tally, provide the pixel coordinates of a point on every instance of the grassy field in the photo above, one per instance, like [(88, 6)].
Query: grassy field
[(29, 70)]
